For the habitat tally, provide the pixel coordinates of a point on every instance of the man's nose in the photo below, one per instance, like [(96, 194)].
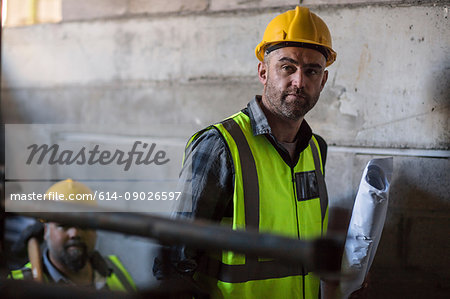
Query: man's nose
[(298, 79), (74, 232)]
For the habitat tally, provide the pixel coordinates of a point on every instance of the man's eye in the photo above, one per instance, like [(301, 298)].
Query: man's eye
[(312, 72), (288, 68)]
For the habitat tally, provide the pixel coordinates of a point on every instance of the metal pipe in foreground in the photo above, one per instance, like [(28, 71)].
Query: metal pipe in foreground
[(319, 255)]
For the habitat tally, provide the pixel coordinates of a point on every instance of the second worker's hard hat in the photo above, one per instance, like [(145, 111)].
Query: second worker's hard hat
[(71, 190), (298, 27)]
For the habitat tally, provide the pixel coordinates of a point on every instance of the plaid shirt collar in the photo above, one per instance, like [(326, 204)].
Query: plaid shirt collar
[(258, 120)]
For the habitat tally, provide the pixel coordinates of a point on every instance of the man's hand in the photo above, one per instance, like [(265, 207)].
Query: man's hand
[(35, 230)]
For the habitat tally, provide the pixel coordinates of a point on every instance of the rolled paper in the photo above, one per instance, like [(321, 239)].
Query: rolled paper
[(366, 224)]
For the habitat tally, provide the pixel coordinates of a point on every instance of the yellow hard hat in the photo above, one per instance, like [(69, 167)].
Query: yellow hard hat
[(298, 27), (70, 189)]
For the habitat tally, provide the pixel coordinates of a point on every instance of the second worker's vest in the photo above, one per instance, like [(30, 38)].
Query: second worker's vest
[(118, 280), (272, 197)]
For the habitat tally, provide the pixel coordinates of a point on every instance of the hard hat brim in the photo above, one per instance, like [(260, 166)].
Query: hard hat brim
[(260, 49)]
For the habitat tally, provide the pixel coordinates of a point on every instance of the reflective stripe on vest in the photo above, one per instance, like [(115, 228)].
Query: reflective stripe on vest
[(21, 274), (24, 274), (239, 275), (320, 181)]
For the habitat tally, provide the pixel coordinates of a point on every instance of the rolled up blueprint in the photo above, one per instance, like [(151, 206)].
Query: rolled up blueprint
[(366, 224)]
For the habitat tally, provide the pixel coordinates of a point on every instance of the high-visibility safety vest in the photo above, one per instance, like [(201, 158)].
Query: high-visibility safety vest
[(272, 197), (118, 280)]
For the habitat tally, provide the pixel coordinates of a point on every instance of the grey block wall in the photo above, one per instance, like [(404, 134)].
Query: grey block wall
[(187, 64)]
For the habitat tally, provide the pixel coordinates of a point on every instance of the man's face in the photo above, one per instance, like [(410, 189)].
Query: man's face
[(69, 246), (293, 78)]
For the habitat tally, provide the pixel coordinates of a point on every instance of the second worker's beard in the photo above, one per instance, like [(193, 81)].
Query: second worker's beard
[(75, 255)]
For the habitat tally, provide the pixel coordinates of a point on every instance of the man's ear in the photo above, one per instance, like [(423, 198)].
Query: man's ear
[(262, 72), (324, 79)]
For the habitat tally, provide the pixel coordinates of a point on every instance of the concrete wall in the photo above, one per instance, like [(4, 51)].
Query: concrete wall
[(188, 64)]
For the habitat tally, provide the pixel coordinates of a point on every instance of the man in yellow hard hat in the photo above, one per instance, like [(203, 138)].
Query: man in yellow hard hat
[(262, 168), (69, 256)]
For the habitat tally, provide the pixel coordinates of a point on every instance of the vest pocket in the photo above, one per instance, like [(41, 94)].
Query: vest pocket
[(306, 185)]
